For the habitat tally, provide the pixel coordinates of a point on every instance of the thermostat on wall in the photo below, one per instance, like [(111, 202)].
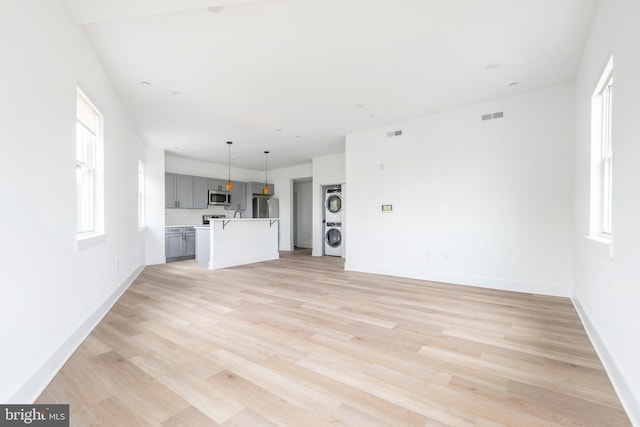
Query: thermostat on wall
[(387, 208)]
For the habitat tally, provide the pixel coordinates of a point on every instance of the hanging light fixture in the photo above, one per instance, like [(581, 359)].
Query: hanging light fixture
[(265, 190), (229, 183)]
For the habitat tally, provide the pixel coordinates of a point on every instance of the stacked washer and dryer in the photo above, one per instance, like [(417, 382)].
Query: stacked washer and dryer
[(333, 216)]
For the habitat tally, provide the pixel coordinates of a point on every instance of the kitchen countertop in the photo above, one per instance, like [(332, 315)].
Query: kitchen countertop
[(244, 219), (220, 219)]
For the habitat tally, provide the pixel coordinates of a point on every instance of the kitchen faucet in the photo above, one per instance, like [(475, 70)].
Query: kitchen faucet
[(236, 212)]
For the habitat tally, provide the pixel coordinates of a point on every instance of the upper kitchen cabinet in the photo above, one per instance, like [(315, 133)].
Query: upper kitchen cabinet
[(217, 184), (178, 191), (170, 200), (238, 196), (258, 188), (200, 192)]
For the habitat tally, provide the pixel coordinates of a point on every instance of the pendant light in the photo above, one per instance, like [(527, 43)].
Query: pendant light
[(265, 190), (229, 183)]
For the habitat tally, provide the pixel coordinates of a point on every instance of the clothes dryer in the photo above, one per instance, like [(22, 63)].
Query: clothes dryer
[(333, 239), (333, 205)]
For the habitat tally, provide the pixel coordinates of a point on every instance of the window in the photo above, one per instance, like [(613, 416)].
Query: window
[(602, 156), (88, 167), (140, 194)]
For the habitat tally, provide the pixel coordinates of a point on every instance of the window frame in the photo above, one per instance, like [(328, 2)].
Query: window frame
[(89, 163), (141, 195), (601, 214)]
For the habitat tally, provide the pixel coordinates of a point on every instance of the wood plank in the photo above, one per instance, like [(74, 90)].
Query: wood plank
[(299, 341)]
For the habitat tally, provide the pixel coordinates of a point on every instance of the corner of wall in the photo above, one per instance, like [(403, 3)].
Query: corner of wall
[(630, 401), (155, 261), (33, 387)]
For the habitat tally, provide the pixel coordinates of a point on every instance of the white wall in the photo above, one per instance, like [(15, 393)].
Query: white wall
[(283, 181), (52, 296), (183, 166), (303, 193), (327, 170), (485, 203), (154, 206), (606, 290)]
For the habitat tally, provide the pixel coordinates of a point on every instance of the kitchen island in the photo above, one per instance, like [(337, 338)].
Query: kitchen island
[(229, 242)]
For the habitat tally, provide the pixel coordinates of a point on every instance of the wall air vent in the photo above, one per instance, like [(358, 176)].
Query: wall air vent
[(394, 133), (490, 116)]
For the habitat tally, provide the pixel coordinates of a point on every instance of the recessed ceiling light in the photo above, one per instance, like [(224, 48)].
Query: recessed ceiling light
[(492, 65), (279, 130), (360, 105), (297, 136), (145, 83), (375, 116), (513, 83)]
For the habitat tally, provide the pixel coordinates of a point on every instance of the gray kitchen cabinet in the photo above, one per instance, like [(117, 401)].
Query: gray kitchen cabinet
[(258, 188), (178, 191), (180, 243), (170, 190), (184, 191), (172, 245), (190, 243), (238, 197), (200, 192)]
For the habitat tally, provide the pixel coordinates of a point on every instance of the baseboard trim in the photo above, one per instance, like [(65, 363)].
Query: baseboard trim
[(476, 281), (154, 261), (629, 400), (35, 385)]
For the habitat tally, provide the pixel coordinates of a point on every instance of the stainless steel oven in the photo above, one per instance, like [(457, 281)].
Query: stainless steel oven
[(207, 218), (219, 198)]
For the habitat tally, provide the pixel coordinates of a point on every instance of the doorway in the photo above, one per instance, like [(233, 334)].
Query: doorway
[(303, 213)]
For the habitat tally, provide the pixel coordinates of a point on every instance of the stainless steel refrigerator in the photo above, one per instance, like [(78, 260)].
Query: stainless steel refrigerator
[(265, 207)]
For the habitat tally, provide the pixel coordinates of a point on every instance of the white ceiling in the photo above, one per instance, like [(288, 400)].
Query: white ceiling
[(287, 75)]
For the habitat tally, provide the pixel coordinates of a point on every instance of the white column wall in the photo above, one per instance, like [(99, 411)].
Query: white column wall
[(606, 291), (154, 206), (52, 296), (485, 203), (283, 181)]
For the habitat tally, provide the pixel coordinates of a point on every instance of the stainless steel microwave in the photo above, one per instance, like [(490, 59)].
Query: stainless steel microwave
[(219, 198)]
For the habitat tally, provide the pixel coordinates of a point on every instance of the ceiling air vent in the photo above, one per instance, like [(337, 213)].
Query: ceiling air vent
[(394, 133), (490, 116)]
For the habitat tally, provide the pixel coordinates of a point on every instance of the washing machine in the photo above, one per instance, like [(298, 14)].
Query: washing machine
[(333, 238), (333, 205)]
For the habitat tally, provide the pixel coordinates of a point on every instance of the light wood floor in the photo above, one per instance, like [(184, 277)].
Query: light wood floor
[(299, 342)]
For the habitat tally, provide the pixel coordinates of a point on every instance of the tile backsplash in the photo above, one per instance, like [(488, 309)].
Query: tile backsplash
[(192, 216)]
